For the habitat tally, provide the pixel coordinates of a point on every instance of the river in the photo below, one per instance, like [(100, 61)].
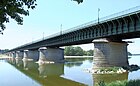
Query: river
[(71, 73)]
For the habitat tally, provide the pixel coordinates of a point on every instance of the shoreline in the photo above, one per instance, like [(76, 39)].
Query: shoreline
[(4, 57), (78, 57)]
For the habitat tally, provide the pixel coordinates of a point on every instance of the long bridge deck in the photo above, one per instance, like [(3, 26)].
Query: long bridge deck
[(122, 25)]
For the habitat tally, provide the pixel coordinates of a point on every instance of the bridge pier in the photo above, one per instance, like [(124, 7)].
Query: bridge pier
[(31, 54), (51, 55), (13, 54), (7, 54), (108, 53), (10, 54), (19, 54)]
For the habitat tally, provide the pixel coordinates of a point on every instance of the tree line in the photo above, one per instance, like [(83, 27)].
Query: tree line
[(77, 51), (3, 50)]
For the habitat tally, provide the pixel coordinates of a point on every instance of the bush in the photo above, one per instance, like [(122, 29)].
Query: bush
[(121, 83)]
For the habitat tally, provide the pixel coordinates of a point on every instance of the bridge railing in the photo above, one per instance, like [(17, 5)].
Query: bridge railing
[(91, 23), (94, 22), (107, 18)]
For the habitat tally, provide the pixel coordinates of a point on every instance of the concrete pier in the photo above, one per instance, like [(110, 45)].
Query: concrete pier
[(31, 54), (13, 54), (19, 54), (108, 53), (10, 54), (51, 54)]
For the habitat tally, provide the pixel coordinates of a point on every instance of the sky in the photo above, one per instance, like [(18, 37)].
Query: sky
[(49, 15)]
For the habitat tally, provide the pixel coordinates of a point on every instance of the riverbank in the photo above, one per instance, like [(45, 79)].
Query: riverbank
[(78, 57), (4, 57)]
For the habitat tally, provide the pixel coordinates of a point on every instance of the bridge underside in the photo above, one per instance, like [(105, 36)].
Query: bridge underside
[(123, 27), (114, 30)]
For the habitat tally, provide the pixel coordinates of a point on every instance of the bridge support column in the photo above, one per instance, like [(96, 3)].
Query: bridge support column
[(31, 54), (107, 53), (19, 54), (51, 55), (13, 54), (10, 54)]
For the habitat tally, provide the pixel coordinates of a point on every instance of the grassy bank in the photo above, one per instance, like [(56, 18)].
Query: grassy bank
[(121, 83)]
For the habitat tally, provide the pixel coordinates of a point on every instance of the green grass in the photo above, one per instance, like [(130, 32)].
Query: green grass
[(121, 83)]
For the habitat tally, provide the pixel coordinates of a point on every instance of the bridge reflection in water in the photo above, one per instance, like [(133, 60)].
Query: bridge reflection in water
[(67, 74), (45, 74)]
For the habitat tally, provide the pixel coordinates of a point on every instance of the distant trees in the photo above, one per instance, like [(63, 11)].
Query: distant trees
[(77, 51), (89, 53), (4, 50)]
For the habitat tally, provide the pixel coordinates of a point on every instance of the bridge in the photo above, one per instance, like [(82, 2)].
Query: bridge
[(106, 34)]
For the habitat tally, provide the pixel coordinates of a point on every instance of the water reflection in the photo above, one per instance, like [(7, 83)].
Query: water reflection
[(70, 73), (51, 70), (45, 74), (29, 65), (71, 64), (19, 62), (10, 76), (12, 60), (77, 61), (90, 59), (25, 64), (109, 77)]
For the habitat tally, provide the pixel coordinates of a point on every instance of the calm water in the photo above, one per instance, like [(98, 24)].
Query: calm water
[(71, 73)]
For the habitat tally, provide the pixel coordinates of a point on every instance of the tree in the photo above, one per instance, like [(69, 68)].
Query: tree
[(89, 52), (69, 51), (14, 9), (130, 54), (78, 51), (79, 1)]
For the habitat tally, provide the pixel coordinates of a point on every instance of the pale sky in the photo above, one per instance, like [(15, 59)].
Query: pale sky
[(48, 16)]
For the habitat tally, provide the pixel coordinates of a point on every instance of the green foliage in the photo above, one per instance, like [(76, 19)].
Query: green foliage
[(4, 50), (101, 83), (79, 1), (89, 53), (73, 51), (133, 83), (131, 68), (129, 54), (77, 51), (69, 51), (14, 9), (114, 69), (121, 83)]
